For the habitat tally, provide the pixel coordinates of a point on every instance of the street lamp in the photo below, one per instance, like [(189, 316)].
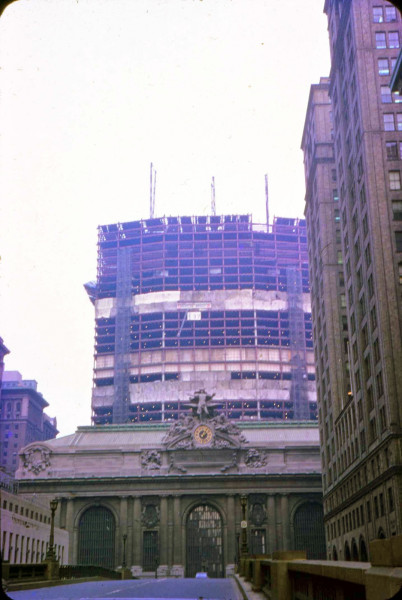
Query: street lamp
[(50, 554), (124, 550), (243, 525)]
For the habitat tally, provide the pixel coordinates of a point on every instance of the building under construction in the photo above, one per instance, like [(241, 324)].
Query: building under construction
[(210, 302)]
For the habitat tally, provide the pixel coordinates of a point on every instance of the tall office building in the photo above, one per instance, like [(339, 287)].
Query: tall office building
[(216, 303), (352, 144), (22, 418)]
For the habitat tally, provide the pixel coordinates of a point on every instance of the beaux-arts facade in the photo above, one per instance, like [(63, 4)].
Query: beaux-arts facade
[(167, 498)]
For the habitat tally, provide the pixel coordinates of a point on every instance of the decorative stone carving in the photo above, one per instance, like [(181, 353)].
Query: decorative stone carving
[(257, 509), (255, 459), (151, 460), (202, 405), (150, 515), (222, 433), (36, 459), (231, 465)]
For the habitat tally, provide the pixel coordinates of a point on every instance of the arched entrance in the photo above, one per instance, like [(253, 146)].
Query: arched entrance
[(309, 531), (96, 537), (204, 544), (355, 552), (363, 550)]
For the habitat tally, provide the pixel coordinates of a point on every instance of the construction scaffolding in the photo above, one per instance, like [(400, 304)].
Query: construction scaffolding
[(209, 264), (298, 362), (122, 337)]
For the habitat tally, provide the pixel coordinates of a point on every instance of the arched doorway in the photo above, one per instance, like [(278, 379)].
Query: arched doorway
[(355, 552), (363, 550), (347, 552), (96, 537), (204, 544), (309, 532), (334, 554)]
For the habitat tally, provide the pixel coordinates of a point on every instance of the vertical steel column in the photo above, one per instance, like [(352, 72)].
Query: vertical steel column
[(121, 400)]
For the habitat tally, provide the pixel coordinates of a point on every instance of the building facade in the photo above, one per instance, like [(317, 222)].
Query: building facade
[(214, 302), (352, 145), (167, 498), (25, 527), (22, 418)]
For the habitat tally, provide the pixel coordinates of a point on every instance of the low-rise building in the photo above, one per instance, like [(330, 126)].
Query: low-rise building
[(25, 527)]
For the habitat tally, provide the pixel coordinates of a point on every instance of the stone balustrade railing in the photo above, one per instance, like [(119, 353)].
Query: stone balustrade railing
[(289, 576)]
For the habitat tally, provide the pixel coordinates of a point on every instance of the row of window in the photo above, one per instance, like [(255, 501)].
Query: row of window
[(387, 97), (237, 410), (384, 14), (215, 328), (388, 39), (391, 123), (27, 550), (235, 375), (25, 512), (357, 517), (386, 66)]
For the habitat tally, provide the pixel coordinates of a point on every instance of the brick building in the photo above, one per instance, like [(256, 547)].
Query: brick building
[(22, 418), (352, 145)]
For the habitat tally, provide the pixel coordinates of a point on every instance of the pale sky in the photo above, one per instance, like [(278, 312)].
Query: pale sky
[(92, 92)]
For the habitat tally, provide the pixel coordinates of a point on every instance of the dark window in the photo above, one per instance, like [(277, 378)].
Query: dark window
[(150, 554), (398, 241), (392, 150)]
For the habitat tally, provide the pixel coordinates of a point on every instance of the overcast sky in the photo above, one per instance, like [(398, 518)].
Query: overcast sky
[(93, 91)]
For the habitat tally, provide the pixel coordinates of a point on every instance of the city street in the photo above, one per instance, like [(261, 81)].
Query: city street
[(211, 589)]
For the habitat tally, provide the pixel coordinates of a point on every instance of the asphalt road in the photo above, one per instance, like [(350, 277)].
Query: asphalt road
[(211, 589)]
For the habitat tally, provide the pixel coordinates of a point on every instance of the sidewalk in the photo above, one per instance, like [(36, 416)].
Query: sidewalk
[(246, 590)]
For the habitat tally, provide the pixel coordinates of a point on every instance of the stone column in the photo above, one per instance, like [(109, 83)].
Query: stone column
[(178, 566), (72, 533), (121, 530), (279, 522), (230, 536), (137, 542), (271, 541), (129, 545), (285, 522), (170, 534), (163, 538)]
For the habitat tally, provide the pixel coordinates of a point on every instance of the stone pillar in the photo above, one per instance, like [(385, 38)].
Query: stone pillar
[(271, 541), (72, 532), (285, 522), (163, 538), (136, 568), (170, 534), (129, 545), (178, 566), (279, 522), (230, 535), (121, 530)]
